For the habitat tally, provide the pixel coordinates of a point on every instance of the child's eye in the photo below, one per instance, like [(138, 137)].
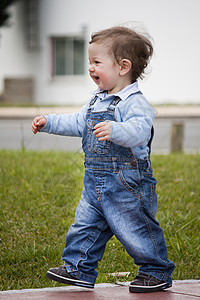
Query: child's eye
[(97, 62)]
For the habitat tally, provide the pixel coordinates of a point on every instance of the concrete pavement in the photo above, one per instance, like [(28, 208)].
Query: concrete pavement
[(181, 290)]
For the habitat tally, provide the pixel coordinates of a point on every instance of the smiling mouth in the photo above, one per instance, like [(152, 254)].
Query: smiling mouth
[(95, 78)]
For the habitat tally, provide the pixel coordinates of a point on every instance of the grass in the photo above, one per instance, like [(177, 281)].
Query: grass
[(39, 192)]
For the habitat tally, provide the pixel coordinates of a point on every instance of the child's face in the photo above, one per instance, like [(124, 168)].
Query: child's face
[(104, 71)]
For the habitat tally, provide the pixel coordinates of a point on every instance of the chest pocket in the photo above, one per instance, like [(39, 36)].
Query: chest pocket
[(93, 144)]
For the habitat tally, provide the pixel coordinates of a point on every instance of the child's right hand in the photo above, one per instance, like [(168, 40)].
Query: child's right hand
[(38, 123)]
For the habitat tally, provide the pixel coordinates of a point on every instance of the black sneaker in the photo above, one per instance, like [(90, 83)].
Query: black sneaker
[(60, 274), (144, 283)]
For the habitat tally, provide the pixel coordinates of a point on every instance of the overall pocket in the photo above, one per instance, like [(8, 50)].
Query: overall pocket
[(131, 181), (93, 144)]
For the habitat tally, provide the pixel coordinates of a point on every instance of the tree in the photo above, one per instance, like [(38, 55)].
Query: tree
[(4, 15)]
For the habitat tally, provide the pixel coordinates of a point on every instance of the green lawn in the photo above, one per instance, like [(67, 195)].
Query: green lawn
[(39, 192)]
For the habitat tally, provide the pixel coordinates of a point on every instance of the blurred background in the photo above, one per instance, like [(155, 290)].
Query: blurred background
[(43, 63)]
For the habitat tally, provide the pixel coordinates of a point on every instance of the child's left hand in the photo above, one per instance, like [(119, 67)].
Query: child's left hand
[(103, 131)]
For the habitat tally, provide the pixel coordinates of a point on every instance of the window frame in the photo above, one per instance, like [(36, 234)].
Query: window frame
[(72, 39)]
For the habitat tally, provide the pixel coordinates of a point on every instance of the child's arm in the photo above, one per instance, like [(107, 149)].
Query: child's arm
[(134, 120), (62, 124), (38, 123)]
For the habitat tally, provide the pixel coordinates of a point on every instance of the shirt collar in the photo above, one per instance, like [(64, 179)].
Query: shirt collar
[(123, 94)]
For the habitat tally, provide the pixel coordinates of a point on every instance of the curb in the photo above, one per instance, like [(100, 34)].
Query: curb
[(76, 288)]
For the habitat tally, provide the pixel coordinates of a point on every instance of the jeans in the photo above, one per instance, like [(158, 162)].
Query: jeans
[(123, 203)]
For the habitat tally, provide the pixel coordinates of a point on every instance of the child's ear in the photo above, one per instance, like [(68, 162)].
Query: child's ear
[(125, 66)]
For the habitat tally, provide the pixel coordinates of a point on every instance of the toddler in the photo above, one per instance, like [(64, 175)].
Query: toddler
[(119, 194)]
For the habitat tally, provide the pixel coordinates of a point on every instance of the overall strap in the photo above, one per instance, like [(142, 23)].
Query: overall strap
[(111, 106), (114, 103), (92, 102)]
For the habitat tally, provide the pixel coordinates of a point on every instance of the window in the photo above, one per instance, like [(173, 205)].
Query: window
[(68, 56)]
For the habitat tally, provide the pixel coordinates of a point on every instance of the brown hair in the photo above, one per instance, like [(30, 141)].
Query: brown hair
[(127, 44)]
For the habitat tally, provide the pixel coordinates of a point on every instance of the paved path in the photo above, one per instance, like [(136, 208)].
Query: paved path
[(181, 290)]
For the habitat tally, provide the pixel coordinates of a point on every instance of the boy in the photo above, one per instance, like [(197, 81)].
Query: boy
[(119, 194)]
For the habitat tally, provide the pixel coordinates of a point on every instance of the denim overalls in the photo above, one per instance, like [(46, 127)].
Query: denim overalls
[(118, 198)]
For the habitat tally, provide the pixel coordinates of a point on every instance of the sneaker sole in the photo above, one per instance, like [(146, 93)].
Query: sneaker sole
[(149, 289), (69, 281)]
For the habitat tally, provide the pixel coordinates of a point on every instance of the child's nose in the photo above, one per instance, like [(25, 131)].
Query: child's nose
[(91, 68)]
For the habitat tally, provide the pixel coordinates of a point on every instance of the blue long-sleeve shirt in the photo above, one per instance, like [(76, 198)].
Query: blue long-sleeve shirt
[(132, 128)]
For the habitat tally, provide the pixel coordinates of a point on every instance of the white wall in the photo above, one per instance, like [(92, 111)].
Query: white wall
[(174, 25), (15, 60)]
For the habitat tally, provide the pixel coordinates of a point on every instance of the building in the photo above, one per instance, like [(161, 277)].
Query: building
[(43, 55)]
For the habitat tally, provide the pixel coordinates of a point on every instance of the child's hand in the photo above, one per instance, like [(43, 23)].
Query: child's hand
[(103, 131), (38, 123)]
